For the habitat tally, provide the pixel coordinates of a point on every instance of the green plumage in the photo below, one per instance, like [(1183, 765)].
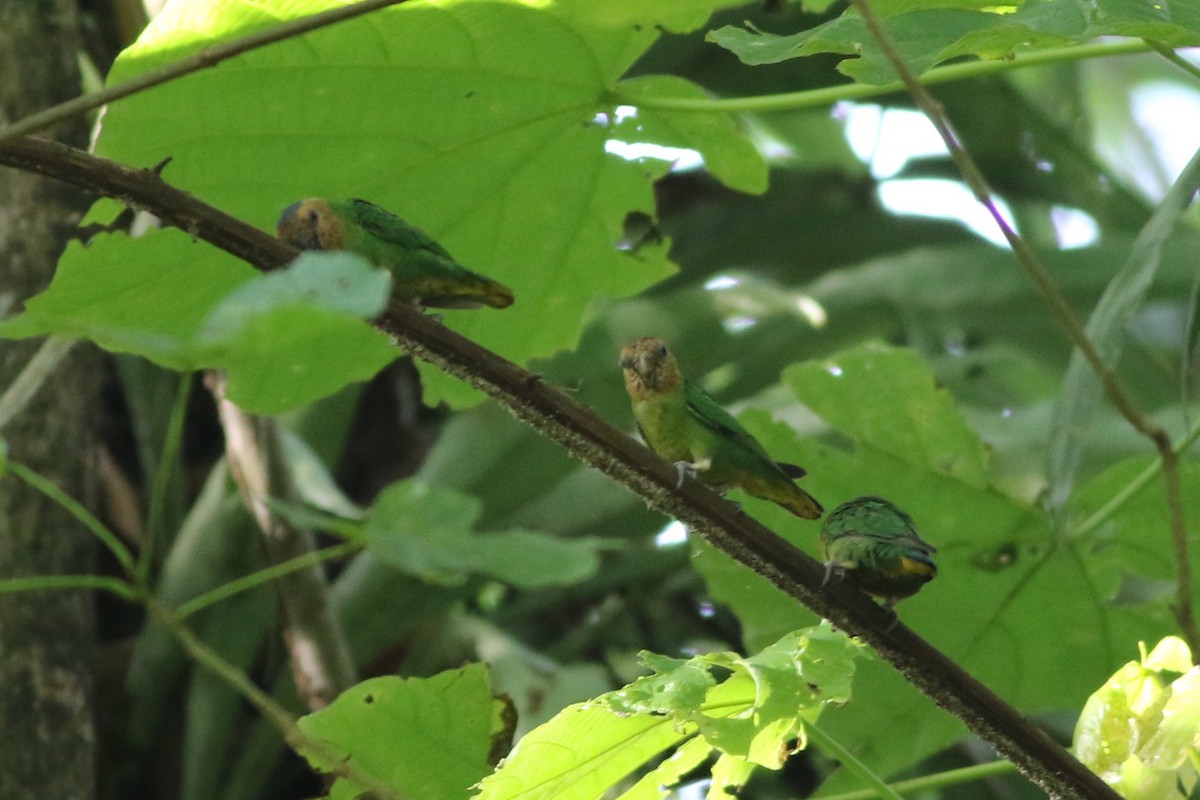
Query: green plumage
[(683, 424), (875, 544), (423, 273)]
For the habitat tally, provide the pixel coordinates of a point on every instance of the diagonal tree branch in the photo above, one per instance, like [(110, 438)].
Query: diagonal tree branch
[(600, 445), (1067, 320)]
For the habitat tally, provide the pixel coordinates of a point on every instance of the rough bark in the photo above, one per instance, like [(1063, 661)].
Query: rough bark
[(46, 730)]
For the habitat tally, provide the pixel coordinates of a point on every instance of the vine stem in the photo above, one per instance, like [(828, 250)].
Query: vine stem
[(1065, 316), (109, 539), (828, 95), (116, 586), (265, 576), (851, 762), (1114, 504), (208, 658), (17, 396), (597, 443), (951, 777), (316, 642), (208, 57)]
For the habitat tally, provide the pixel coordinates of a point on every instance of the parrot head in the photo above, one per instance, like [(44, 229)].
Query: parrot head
[(311, 225), (649, 367)]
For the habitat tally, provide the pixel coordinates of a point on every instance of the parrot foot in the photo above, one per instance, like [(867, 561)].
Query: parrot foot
[(891, 610), (684, 469), (829, 567)]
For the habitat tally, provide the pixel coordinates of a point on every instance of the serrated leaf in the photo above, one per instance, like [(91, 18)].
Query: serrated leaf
[(926, 35), (919, 425), (421, 737), (429, 532), (748, 707)]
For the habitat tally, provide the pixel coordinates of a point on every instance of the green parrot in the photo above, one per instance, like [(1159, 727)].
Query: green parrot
[(876, 545), (423, 273), (685, 425)]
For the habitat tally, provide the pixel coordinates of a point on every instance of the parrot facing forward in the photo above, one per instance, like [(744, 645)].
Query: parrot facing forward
[(683, 424), (423, 273), (875, 545)]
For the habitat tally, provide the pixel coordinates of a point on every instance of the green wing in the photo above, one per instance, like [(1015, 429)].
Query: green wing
[(387, 227), (710, 414), (905, 541), (875, 520)]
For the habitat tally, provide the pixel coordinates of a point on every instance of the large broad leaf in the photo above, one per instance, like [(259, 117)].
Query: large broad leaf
[(285, 338), (1002, 565), (420, 737), (926, 35), (1106, 330), (485, 123), (428, 531), (750, 711)]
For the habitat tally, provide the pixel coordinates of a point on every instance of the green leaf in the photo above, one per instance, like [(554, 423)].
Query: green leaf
[(769, 690), (285, 338), (731, 158), (422, 737), (428, 531), (290, 337), (1106, 329), (495, 148), (729, 775), (578, 755), (746, 708), (1141, 730), (919, 425), (148, 301), (926, 36), (687, 757)]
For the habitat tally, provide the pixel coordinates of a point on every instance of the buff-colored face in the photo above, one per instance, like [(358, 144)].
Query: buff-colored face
[(649, 366), (311, 225)]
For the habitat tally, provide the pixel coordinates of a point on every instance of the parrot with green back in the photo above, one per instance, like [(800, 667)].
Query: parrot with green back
[(874, 544), (423, 273), (683, 424)]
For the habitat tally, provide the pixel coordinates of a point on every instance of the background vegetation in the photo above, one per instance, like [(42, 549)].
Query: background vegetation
[(889, 352)]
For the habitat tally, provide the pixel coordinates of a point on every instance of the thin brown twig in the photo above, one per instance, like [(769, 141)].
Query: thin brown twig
[(600, 445), (316, 644), (1064, 314), (208, 57)]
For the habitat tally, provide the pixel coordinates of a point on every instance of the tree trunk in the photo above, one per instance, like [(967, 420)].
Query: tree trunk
[(46, 731)]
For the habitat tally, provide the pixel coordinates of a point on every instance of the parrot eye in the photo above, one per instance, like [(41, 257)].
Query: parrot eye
[(313, 217), (661, 351)]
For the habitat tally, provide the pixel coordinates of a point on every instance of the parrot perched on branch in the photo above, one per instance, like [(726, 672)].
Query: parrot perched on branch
[(874, 544), (683, 424), (423, 273)]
